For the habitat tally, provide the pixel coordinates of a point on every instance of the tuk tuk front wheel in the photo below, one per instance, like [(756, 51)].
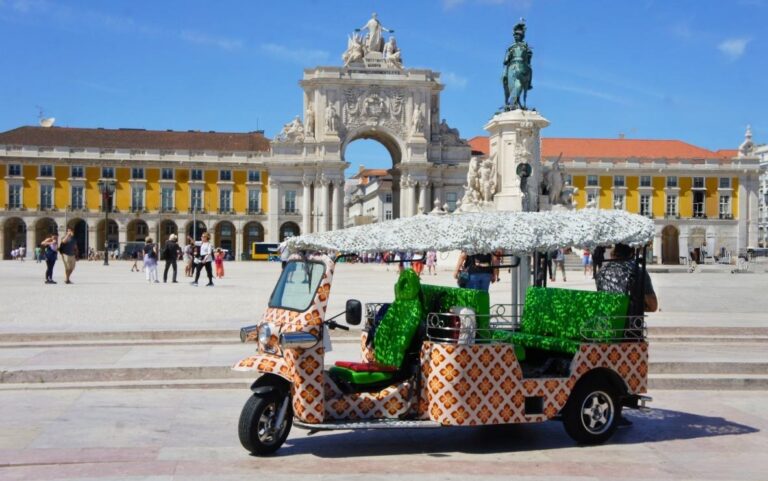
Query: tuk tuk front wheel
[(592, 412), (258, 428)]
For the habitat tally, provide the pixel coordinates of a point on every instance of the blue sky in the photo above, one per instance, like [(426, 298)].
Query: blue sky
[(693, 70)]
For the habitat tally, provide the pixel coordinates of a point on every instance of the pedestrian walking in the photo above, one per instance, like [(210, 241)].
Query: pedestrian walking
[(479, 270), (150, 260), (559, 264), (22, 253), (189, 257), (432, 262), (69, 253), (586, 261), (170, 254), (38, 254), (51, 252), (203, 260), (219, 262)]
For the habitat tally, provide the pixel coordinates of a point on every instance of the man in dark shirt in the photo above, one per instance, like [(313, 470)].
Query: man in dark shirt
[(68, 251), (170, 253), (621, 274)]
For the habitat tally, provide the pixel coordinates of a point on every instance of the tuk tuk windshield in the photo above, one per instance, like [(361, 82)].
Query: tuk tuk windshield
[(298, 283)]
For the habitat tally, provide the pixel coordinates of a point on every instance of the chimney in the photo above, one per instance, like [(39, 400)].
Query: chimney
[(621, 135)]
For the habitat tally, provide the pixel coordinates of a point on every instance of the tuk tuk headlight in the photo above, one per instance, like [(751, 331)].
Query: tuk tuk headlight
[(265, 333)]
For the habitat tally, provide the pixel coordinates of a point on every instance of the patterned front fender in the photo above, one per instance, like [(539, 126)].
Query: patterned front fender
[(265, 363)]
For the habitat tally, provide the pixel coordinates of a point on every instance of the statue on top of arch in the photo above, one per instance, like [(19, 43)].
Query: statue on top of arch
[(293, 131), (372, 45)]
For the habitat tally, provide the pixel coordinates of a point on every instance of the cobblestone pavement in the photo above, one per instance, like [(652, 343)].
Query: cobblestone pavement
[(192, 435), (111, 298)]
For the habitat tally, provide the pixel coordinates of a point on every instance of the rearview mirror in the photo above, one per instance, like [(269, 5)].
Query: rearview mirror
[(354, 314)]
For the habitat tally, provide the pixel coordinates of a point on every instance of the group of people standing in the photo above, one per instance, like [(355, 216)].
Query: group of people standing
[(51, 248), (195, 257)]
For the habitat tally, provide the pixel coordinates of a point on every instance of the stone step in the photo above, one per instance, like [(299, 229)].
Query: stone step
[(724, 368), (720, 382), (706, 331), (708, 339)]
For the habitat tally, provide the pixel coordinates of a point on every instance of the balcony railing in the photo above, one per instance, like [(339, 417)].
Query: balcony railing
[(77, 208), (137, 209), (255, 212), (225, 211), (671, 215), (289, 211), (46, 208), (726, 216), (196, 209), (168, 210), (699, 215), (15, 207)]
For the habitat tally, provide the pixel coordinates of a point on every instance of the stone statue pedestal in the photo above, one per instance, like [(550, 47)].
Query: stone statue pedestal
[(514, 140)]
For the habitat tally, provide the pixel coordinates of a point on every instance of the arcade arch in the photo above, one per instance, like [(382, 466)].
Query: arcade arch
[(289, 229), (45, 227), (670, 245), (80, 229), (252, 232), (195, 229), (225, 235), (112, 235), (137, 230), (14, 235), (165, 229)]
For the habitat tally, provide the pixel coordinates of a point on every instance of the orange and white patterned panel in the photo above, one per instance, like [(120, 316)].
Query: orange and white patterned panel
[(391, 402), (483, 383), (266, 363)]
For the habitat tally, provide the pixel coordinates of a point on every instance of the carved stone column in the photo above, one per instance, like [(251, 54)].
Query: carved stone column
[(338, 196), (405, 193), (324, 207), (306, 206), (273, 217), (411, 198), (440, 192), (30, 240), (424, 196)]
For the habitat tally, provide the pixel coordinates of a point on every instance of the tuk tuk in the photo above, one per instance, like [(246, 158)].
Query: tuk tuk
[(437, 356)]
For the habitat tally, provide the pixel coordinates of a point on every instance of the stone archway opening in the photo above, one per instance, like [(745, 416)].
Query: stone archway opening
[(137, 231), (14, 236), (374, 157), (195, 230), (252, 232), (165, 229), (670, 245), (225, 236), (289, 229), (113, 237), (80, 228), (45, 227)]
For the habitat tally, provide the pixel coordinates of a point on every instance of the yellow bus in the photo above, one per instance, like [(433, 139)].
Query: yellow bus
[(264, 251)]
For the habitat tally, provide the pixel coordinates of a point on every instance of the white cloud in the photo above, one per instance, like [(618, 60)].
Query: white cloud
[(301, 56), (454, 80), (199, 38), (733, 48), (584, 91)]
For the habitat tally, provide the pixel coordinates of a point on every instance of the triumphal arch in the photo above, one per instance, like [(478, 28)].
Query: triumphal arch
[(372, 95)]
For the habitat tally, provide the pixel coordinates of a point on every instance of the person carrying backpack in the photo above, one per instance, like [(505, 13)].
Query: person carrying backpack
[(171, 254), (150, 260)]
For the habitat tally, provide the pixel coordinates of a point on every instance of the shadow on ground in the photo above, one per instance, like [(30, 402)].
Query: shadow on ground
[(653, 426)]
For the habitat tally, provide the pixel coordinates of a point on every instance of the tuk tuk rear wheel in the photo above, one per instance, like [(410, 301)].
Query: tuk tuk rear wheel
[(256, 429), (592, 412)]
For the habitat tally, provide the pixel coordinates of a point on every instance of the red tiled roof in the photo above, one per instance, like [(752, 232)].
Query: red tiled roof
[(370, 173), (135, 139), (615, 149), (727, 153)]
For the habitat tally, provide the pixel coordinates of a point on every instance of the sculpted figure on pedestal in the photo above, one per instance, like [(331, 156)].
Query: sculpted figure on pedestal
[(517, 75), (417, 120), (331, 119), (309, 118), (554, 181), (373, 41), (449, 134), (747, 148), (392, 54), (355, 51), (487, 179), (293, 131)]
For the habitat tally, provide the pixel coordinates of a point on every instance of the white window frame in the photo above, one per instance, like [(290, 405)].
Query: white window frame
[(388, 198), (650, 181), (21, 171), (720, 183), (728, 211), (592, 196), (221, 175), (192, 175), (163, 189), (48, 185), (228, 191), (676, 205), (14, 186), (388, 214), (257, 194), (622, 184), (672, 185), (72, 190), (112, 169), (649, 211), (285, 202), (41, 173), (703, 183), (163, 170), (620, 196), (140, 171), (143, 206), (192, 191), (72, 172), (250, 174), (597, 180)]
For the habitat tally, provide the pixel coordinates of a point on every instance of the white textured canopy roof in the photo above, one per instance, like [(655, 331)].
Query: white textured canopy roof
[(484, 232)]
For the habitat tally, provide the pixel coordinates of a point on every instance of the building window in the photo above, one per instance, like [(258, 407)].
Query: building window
[(225, 175), (671, 205), (619, 201), (451, 198), (253, 200), (77, 197), (76, 172), (591, 199), (137, 173), (137, 198), (672, 181), (645, 205), (196, 201), (46, 197), (225, 200), (166, 174), (142, 230), (107, 172), (46, 171), (388, 198), (725, 207), (166, 199), (698, 202), (725, 183), (645, 181), (387, 215), (14, 196), (196, 174), (14, 170), (592, 181), (568, 178), (290, 201), (618, 181), (254, 176), (698, 183)]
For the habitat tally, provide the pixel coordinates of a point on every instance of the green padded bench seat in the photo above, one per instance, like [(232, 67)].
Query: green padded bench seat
[(442, 299), (553, 319)]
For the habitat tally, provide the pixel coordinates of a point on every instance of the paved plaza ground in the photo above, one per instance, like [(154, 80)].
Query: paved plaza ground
[(81, 366)]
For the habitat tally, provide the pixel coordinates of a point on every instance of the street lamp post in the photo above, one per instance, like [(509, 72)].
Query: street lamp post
[(107, 188)]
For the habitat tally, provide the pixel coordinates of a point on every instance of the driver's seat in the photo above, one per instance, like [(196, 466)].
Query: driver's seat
[(392, 339)]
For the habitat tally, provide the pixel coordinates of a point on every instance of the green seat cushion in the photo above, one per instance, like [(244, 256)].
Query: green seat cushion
[(398, 326), (523, 340), (566, 313), (442, 299), (354, 377)]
